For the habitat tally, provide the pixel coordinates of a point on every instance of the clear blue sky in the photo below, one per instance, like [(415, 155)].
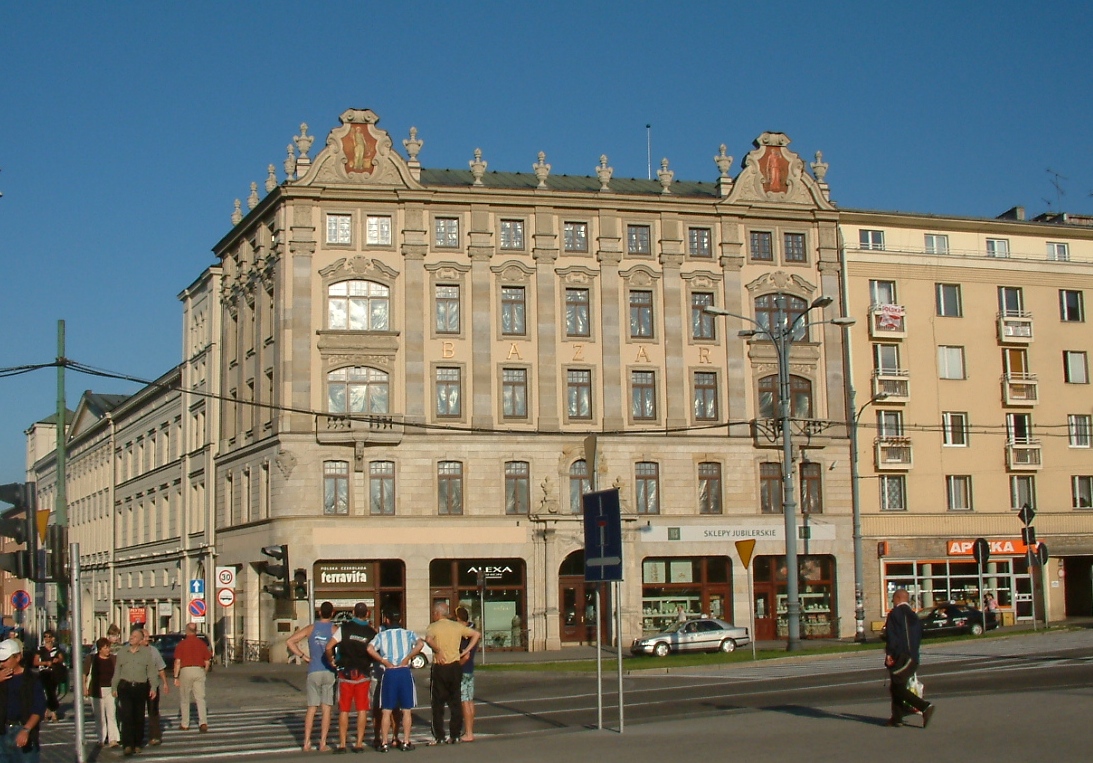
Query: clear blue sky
[(127, 129)]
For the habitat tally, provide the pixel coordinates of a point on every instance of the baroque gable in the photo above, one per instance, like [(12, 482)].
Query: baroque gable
[(359, 153), (779, 281), (772, 173)]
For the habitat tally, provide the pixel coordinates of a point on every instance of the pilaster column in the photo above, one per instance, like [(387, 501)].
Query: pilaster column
[(301, 247), (675, 374), (481, 337), (417, 311), (546, 312)]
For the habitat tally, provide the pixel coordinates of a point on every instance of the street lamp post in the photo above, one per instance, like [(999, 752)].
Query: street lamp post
[(855, 506), (781, 335)]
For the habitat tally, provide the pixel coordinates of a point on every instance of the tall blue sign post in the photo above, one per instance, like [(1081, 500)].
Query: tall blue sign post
[(603, 564)]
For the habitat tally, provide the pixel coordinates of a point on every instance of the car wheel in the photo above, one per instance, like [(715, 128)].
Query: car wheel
[(976, 629), (661, 649), (728, 645), (418, 662)]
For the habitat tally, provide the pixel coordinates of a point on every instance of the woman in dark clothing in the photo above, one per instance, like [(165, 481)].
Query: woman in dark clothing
[(50, 661)]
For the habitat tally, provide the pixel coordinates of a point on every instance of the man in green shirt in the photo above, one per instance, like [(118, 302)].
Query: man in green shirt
[(135, 681)]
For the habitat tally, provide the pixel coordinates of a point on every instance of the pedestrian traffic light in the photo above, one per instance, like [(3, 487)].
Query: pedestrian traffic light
[(299, 584), (23, 496), (281, 588), (57, 553)]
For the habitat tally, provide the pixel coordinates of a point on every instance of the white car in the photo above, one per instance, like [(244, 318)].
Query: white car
[(702, 635)]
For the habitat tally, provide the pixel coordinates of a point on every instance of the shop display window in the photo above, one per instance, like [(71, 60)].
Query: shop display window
[(680, 588), (492, 590), (940, 581), (816, 592)]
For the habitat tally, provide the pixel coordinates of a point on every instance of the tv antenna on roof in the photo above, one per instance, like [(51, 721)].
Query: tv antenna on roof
[(1059, 192)]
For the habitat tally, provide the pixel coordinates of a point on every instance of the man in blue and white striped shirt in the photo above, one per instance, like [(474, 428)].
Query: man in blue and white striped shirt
[(394, 647)]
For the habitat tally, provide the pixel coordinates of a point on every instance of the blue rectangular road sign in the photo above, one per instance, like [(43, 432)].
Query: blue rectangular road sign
[(602, 536), (197, 586)]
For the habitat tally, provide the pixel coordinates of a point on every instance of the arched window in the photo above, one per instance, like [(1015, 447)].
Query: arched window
[(358, 306), (579, 484), (358, 389), (766, 313), (800, 397)]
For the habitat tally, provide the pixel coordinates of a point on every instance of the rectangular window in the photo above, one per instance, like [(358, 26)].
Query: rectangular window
[(950, 362), (447, 309), (378, 231), (762, 246), (512, 234), (1081, 488), (958, 489), (1019, 428), (954, 427), (1058, 251), (702, 323), (1075, 367), (709, 488), (882, 292), (577, 313), (948, 300), (381, 488), (513, 311), (705, 396), (1011, 300), (517, 487), (449, 392), (889, 424), (447, 232), (937, 243), (1022, 491), (638, 239), (647, 487), (770, 487), (514, 393), (794, 247), (641, 314), (698, 242), (998, 247), (871, 239), (339, 229), (812, 494), (1080, 429), (335, 487), (893, 492), (1071, 306), (449, 484), (575, 237), (579, 394), (643, 395), (886, 358)]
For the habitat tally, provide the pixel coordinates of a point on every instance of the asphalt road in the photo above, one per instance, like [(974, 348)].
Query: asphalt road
[(1020, 698)]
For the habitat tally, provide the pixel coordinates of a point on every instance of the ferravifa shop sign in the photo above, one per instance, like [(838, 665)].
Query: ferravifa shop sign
[(999, 547)]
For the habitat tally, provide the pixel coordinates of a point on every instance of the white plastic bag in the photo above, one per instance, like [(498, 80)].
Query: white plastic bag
[(916, 686)]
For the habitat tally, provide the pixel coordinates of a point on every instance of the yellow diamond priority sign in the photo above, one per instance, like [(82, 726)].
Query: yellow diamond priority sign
[(745, 548)]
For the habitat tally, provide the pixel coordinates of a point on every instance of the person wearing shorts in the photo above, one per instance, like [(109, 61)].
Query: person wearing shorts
[(320, 673), (466, 684), (354, 673), (394, 647)]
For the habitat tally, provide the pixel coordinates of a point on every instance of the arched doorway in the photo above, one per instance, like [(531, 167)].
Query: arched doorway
[(577, 603)]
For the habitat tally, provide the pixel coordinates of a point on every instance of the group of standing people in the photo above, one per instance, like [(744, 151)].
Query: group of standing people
[(370, 671), (125, 685)]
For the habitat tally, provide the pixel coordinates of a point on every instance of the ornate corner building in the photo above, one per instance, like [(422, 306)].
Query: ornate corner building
[(394, 371)]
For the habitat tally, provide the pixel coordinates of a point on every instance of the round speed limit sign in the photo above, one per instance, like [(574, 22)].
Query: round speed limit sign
[(225, 577)]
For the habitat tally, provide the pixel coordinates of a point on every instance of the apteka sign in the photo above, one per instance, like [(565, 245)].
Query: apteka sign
[(1006, 547)]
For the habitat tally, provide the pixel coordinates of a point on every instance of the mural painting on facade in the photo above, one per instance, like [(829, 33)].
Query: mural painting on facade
[(360, 149), (775, 169)]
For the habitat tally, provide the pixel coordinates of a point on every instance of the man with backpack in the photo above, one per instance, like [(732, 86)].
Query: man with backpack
[(351, 639)]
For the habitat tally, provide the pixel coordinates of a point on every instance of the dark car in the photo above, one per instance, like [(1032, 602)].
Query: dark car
[(166, 643), (952, 619)]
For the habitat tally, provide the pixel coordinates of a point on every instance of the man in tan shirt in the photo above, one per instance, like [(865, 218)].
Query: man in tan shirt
[(444, 636)]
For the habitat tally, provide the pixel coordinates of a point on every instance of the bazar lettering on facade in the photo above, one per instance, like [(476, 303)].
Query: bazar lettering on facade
[(390, 371)]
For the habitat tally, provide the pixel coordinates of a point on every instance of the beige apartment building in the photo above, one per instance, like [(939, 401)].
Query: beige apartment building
[(395, 370)]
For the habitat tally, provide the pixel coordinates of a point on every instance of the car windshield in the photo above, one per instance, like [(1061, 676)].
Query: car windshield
[(674, 628)]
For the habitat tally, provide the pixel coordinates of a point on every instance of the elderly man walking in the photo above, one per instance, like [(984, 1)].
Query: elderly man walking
[(193, 658), (135, 681), (903, 632), (444, 636)]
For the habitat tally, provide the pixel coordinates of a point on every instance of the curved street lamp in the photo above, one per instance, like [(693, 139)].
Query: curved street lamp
[(781, 334)]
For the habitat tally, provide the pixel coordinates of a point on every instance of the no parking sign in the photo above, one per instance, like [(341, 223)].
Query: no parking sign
[(197, 610)]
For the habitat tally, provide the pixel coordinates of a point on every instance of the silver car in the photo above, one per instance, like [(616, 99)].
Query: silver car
[(704, 635)]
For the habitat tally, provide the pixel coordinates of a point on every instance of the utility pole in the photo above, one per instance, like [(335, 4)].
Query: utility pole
[(61, 504)]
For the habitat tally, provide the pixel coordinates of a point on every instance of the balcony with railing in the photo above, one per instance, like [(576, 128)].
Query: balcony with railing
[(887, 321), (1015, 327), (894, 384), (1020, 389), (893, 452), (346, 429), (1023, 454)]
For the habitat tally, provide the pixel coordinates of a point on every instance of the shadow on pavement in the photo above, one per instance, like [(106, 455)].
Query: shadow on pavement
[(802, 711)]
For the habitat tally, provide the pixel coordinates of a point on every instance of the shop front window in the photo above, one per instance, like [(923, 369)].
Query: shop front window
[(816, 591), (681, 588), (951, 581), (492, 590)]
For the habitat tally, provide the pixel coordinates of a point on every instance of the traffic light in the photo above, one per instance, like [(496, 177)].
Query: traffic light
[(57, 553), (24, 497), (299, 584), (281, 588)]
